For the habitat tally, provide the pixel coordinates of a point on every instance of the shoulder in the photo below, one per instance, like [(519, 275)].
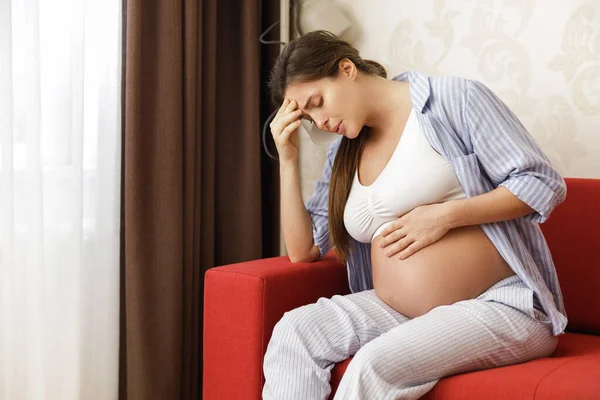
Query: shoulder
[(440, 84), (439, 91), (453, 97), (448, 101), (450, 88), (459, 90)]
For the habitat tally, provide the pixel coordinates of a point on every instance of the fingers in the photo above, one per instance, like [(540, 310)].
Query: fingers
[(285, 117), (410, 250), (390, 228), (285, 135), (287, 107), (281, 111), (288, 118), (398, 246), (391, 237), (285, 103), (292, 104)]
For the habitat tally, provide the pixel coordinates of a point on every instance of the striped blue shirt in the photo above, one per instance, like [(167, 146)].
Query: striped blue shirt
[(488, 146)]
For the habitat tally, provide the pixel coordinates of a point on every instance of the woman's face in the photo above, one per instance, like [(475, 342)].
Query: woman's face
[(333, 104)]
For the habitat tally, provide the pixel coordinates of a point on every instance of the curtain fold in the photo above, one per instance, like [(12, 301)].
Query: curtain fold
[(192, 182)]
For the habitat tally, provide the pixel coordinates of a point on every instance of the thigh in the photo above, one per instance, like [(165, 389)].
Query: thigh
[(339, 325), (465, 336)]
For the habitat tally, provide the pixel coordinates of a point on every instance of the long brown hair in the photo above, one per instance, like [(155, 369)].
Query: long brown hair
[(311, 57)]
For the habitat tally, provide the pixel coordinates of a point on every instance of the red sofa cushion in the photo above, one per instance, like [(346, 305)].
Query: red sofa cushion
[(573, 372)]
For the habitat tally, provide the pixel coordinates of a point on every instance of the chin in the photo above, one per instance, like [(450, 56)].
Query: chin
[(351, 133)]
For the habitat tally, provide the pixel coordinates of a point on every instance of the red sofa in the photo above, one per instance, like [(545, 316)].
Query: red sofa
[(243, 302)]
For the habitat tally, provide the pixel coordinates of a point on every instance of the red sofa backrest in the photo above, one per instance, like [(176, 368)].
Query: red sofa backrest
[(573, 235)]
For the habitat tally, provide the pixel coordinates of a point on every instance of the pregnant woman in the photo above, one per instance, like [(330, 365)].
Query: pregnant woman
[(432, 196)]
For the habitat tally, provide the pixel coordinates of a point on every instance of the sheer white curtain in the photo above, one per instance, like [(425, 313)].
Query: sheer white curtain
[(60, 74)]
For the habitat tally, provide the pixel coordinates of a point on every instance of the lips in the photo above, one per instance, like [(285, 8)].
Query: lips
[(337, 128)]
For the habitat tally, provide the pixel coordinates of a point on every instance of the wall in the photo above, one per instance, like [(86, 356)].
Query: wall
[(541, 57)]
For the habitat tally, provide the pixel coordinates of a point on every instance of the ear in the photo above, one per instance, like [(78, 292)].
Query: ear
[(348, 69)]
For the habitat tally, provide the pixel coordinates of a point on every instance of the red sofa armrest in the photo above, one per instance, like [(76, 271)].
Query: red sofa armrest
[(242, 304)]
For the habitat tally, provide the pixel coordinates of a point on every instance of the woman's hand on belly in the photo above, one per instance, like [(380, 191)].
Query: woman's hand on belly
[(416, 229), (460, 266)]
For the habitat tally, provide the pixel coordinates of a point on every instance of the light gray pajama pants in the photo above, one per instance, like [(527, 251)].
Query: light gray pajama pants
[(396, 357)]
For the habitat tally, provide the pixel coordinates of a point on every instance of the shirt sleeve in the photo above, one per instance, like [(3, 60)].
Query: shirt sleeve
[(510, 155), (318, 203)]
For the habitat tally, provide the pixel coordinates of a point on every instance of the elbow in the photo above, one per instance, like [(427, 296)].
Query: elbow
[(295, 259), (562, 193), (556, 197), (541, 195), (310, 256)]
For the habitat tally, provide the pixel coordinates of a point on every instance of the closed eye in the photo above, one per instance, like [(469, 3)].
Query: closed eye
[(306, 117)]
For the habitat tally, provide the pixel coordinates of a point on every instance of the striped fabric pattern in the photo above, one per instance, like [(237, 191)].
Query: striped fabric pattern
[(488, 146), (396, 357)]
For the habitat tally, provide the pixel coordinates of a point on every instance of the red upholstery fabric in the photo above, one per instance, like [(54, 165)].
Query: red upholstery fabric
[(243, 302), (572, 373), (573, 235)]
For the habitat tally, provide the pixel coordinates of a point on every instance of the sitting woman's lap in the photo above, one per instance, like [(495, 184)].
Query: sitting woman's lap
[(392, 352)]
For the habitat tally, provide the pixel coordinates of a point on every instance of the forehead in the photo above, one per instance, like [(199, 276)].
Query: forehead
[(301, 91)]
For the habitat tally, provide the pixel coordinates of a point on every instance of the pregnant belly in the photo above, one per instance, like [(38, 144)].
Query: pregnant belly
[(461, 265)]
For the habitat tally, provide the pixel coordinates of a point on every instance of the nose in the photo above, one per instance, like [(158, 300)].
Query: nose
[(322, 124)]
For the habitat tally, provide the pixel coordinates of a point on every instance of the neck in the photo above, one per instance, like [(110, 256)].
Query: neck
[(388, 102)]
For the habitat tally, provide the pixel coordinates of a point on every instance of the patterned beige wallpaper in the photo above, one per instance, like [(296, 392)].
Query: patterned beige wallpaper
[(541, 57)]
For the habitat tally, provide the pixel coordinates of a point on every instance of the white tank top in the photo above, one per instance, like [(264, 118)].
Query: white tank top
[(415, 175)]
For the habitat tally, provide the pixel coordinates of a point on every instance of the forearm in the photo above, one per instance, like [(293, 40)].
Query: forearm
[(497, 205), (296, 223)]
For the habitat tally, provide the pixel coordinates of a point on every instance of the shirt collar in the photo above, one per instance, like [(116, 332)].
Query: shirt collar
[(419, 88)]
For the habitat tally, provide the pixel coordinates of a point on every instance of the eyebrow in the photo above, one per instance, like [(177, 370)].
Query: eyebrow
[(308, 101)]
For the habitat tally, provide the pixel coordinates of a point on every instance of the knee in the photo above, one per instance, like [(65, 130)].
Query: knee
[(296, 321), (369, 360), (551, 344), (366, 371)]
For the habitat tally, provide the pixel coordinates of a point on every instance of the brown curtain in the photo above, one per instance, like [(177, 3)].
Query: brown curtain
[(197, 191)]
